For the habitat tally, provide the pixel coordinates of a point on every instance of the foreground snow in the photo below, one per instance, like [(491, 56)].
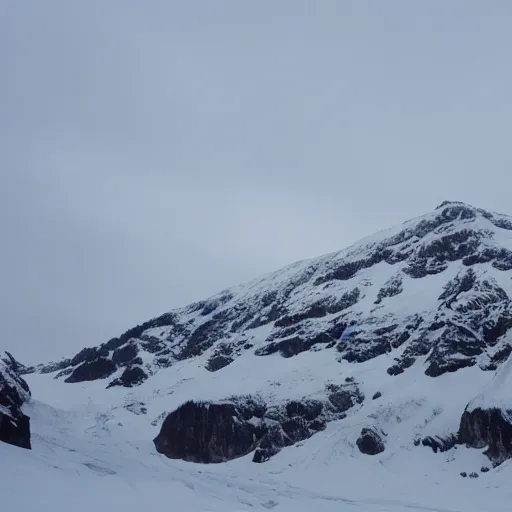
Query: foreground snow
[(93, 449)]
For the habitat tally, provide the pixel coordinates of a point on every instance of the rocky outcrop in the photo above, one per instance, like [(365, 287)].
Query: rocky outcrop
[(309, 305), (210, 432), (473, 315), (132, 376), (100, 368), (488, 428), (217, 432), (392, 288), (440, 443), (14, 392), (371, 441), (222, 357)]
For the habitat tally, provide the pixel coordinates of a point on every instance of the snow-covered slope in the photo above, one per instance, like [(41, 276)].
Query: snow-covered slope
[(377, 349), (437, 286)]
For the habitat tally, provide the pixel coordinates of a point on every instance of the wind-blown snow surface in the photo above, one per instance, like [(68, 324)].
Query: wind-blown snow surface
[(93, 449), (92, 446)]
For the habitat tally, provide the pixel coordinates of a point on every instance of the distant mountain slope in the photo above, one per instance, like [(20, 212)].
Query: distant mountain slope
[(430, 297), (437, 286)]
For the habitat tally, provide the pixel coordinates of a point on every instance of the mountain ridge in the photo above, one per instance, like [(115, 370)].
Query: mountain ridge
[(430, 297), (457, 245)]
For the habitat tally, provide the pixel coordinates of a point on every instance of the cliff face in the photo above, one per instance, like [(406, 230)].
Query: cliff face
[(488, 428), (14, 391), (218, 432)]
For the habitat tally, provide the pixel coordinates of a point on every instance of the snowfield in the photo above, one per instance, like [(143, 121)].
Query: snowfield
[(89, 453), (418, 318)]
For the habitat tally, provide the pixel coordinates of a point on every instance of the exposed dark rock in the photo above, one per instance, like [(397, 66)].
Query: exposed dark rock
[(498, 220), (100, 368), (441, 444), (501, 258), (344, 270), (480, 315), (162, 321), (396, 369), (321, 308), (274, 440), (217, 432), (376, 395), (392, 288), (437, 368), (365, 346), (370, 442), (132, 376), (501, 223), (498, 358), (296, 429), (423, 267), (494, 329), (342, 397), (163, 362), (303, 419), (307, 409), (206, 335), (14, 392), (113, 343), (489, 428), (151, 344), (452, 247), (455, 348), (136, 407), (86, 355), (436, 325), (15, 430), (217, 362), (124, 355), (222, 357), (97, 355), (292, 346), (207, 432), (51, 367), (453, 210), (461, 283), (213, 304), (63, 373)]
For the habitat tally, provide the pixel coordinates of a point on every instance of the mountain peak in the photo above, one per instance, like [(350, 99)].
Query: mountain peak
[(269, 363), (308, 305), (455, 203)]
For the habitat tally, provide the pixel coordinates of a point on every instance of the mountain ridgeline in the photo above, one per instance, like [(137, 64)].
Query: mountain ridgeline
[(432, 294)]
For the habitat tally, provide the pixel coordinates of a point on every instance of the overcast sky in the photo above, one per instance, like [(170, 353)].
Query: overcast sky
[(155, 152)]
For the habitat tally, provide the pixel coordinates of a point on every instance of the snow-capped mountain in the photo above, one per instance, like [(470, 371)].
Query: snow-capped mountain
[(436, 287), (392, 349)]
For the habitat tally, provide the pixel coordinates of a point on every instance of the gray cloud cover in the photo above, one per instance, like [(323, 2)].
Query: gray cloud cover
[(153, 153)]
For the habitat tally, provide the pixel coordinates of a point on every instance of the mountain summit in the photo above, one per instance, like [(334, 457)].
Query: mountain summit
[(435, 287), (393, 339)]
